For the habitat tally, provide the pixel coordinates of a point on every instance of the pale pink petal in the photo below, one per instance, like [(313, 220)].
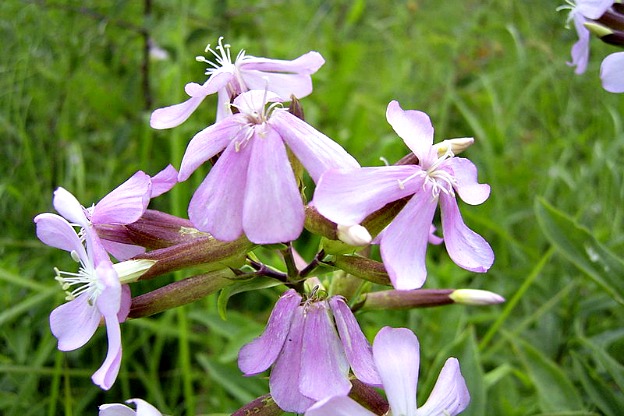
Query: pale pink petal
[(580, 50), (253, 102), (324, 366), (222, 192), (465, 247), (592, 9), (163, 181), (465, 173), (397, 355), (414, 127), (348, 196), (224, 109), (403, 243), (122, 251), (116, 409), (307, 63), (450, 395), (338, 406), (125, 303), (284, 85), (107, 373), (273, 209), (126, 203), (433, 238), (208, 143), (74, 323), (356, 346), (612, 72), (54, 230), (260, 353), (144, 408), (285, 376), (316, 152), (68, 206)]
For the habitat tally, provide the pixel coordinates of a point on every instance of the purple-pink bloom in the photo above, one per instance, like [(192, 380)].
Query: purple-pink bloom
[(229, 79), (93, 293), (396, 353), (143, 408), (252, 188), (612, 72), (580, 13), (434, 179), (311, 346)]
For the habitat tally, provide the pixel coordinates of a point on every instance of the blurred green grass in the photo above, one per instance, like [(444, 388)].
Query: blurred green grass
[(74, 113)]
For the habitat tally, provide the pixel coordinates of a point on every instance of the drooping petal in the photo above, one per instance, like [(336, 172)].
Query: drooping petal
[(465, 247), (580, 50), (122, 251), (174, 115), (116, 409), (414, 127), (68, 206), (74, 323), (403, 243), (164, 180), (356, 347), (125, 303), (54, 230), (338, 406), (260, 353), (285, 376), (592, 9), (348, 196), (126, 203), (144, 408), (450, 395), (324, 366), (465, 173), (222, 191), (208, 143), (316, 152), (107, 373), (273, 211), (397, 355), (612, 72)]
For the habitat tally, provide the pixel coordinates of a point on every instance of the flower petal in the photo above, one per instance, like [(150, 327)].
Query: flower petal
[(612, 72), (273, 210), (465, 173), (324, 366), (580, 50), (285, 376), (126, 203), (338, 406), (163, 181), (465, 247), (208, 143), (363, 191), (260, 353), (74, 323), (357, 349), (414, 127), (122, 251), (592, 9), (116, 409), (397, 355), (222, 191), (105, 376), (316, 152), (54, 231), (144, 408), (449, 395), (69, 207), (403, 243)]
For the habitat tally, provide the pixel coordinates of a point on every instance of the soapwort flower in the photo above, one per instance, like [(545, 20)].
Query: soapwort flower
[(253, 180), (143, 408), (436, 178), (311, 346), (229, 79), (396, 354)]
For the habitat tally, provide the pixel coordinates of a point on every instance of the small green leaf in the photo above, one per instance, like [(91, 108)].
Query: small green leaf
[(597, 389)]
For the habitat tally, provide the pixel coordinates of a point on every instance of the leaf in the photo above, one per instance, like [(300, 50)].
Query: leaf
[(580, 247), (597, 389)]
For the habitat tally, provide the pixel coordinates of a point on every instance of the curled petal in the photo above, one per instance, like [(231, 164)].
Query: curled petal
[(449, 395), (105, 376), (324, 366), (403, 243), (338, 406), (362, 191), (357, 348), (74, 323), (465, 247), (126, 203), (612, 72), (592, 9), (68, 206), (259, 354), (414, 127), (307, 63), (286, 374), (316, 152), (163, 181), (273, 210), (580, 50), (144, 408), (397, 355), (54, 230), (465, 173)]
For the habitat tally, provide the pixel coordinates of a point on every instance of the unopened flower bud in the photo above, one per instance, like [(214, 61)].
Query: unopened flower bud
[(456, 146), (597, 29), (130, 271), (476, 297), (354, 235)]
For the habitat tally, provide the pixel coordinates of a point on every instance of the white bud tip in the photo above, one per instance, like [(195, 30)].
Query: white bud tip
[(130, 270), (457, 145), (476, 297), (354, 235)]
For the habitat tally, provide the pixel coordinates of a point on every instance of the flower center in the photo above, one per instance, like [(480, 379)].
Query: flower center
[(438, 179), (75, 284), (223, 59)]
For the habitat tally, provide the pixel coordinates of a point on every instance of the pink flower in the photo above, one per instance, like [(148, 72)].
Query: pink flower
[(229, 79), (396, 354), (310, 351), (612, 72), (580, 13), (252, 188), (434, 179), (143, 408)]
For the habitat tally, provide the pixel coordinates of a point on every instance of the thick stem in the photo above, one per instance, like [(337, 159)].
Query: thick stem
[(262, 406), (406, 299)]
